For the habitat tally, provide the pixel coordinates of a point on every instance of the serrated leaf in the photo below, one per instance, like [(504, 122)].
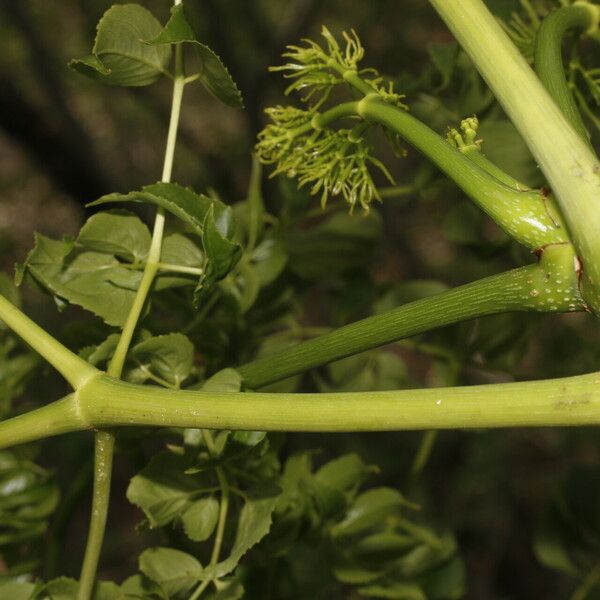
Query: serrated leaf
[(170, 357), (175, 571), (119, 55), (254, 523), (163, 490), (93, 280), (116, 233), (213, 74), (209, 218), (200, 519)]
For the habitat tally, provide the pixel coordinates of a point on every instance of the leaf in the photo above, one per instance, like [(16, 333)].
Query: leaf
[(209, 218), (344, 473), (62, 588), (227, 589), (182, 202), (340, 243), (116, 233), (95, 281), (170, 357), (254, 523), (139, 587), (444, 58), (255, 206), (16, 590), (226, 380), (213, 74), (175, 571), (396, 591), (163, 490), (119, 55), (370, 509), (200, 519)]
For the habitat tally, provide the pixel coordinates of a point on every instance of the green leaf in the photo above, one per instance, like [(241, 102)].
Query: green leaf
[(226, 380), (227, 589), (254, 523), (95, 281), (444, 58), (396, 591), (163, 490), (119, 55), (170, 357), (120, 234), (200, 519), (62, 588), (182, 202), (213, 74), (344, 473), (369, 510), (175, 571), (340, 243), (16, 590), (139, 587), (209, 218)]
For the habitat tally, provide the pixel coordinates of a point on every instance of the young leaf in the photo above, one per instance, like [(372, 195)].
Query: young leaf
[(170, 357), (163, 490), (200, 519), (16, 590), (139, 587), (119, 56), (253, 525), (176, 572), (121, 234), (213, 74), (369, 509)]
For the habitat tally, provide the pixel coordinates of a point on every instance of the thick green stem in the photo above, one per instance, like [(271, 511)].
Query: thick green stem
[(528, 288), (74, 369), (572, 169), (524, 215), (548, 58), (108, 402), (105, 440)]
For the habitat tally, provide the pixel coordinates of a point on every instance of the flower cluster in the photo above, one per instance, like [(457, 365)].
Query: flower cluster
[(467, 136), (332, 162), (318, 69)]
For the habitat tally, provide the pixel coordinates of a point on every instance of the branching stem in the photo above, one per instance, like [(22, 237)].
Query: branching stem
[(105, 440)]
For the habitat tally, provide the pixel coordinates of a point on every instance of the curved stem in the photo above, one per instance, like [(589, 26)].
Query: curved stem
[(521, 289), (572, 169), (522, 214), (73, 368), (548, 60), (105, 440)]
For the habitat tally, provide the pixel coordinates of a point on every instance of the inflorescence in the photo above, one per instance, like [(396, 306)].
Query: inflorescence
[(333, 162)]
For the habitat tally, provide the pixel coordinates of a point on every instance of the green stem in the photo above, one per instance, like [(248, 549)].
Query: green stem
[(521, 289), (74, 369), (571, 168), (522, 214), (548, 58), (107, 402), (483, 162), (104, 443), (105, 440), (223, 510)]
